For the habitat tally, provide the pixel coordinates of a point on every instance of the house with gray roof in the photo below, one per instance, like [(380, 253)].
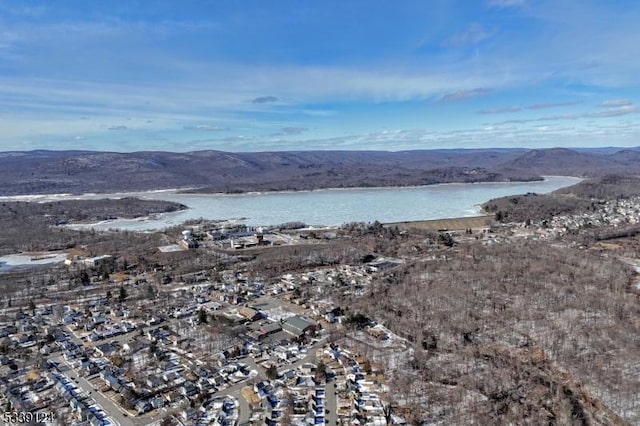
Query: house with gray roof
[(299, 325)]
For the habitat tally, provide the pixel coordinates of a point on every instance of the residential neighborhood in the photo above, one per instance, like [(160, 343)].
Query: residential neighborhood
[(231, 352), (179, 340)]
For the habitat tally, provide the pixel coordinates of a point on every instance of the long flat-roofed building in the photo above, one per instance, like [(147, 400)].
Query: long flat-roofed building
[(299, 325)]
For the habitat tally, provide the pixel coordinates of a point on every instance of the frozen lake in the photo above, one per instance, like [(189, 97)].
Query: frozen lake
[(326, 206)]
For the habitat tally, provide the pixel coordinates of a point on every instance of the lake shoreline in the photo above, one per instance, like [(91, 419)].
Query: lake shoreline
[(346, 188), (329, 206), (43, 198)]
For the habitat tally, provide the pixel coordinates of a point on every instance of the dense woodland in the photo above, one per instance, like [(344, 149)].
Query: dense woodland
[(518, 333), (533, 207), (608, 187)]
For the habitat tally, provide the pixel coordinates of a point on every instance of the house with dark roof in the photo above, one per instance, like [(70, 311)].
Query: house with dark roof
[(264, 330), (106, 349), (188, 389)]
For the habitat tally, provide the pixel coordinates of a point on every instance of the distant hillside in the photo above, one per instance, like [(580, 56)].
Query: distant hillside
[(580, 198), (561, 161), (626, 156), (608, 187), (39, 172)]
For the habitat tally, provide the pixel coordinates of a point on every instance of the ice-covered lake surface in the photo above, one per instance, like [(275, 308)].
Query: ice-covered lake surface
[(323, 207), (12, 262)]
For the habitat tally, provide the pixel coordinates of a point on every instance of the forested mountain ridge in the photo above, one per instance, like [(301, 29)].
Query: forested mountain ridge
[(39, 172)]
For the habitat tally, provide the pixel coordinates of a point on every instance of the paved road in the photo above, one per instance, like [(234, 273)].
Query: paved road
[(109, 406), (125, 419), (112, 409), (254, 366), (75, 339), (121, 338), (244, 409), (331, 402), (309, 358)]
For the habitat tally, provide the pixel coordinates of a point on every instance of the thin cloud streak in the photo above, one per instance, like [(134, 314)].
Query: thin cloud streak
[(264, 100), (473, 34), (616, 103), (546, 105), (607, 113), (552, 105), (505, 110), (615, 112), (206, 128), (462, 95), (506, 3), (290, 131)]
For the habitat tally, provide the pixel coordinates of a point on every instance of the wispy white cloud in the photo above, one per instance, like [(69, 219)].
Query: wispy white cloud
[(546, 105), (616, 103), (205, 128), (488, 136), (51, 75), (318, 112), (615, 111), (290, 131), (227, 90), (264, 100), (9, 38), (504, 110), (462, 95), (22, 9), (506, 3), (237, 138), (473, 34), (560, 117)]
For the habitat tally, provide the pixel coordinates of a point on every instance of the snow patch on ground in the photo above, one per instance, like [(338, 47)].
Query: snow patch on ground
[(12, 262)]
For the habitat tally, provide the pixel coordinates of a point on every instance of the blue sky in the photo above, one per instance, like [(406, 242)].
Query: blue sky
[(296, 75)]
